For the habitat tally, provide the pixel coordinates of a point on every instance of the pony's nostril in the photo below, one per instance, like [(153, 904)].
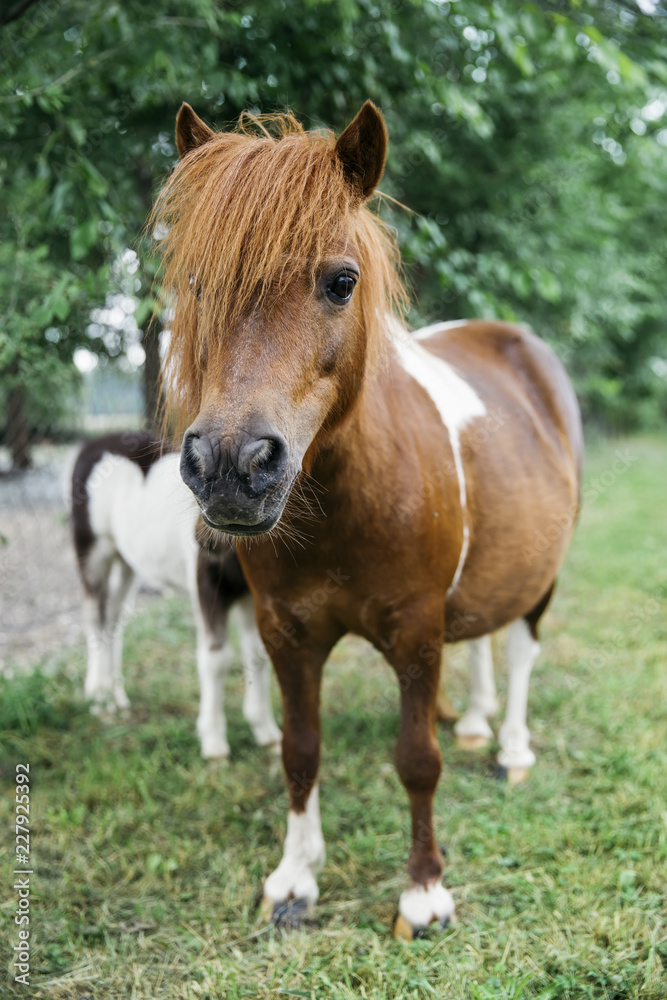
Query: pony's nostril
[(202, 450), (263, 461), (198, 460), (208, 462), (256, 455)]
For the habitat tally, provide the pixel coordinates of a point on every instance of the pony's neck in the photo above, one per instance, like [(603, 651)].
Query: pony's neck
[(359, 442)]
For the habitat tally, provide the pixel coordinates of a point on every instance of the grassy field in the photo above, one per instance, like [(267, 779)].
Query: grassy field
[(149, 863)]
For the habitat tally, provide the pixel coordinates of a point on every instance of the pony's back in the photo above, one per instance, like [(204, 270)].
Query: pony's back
[(140, 447), (129, 503)]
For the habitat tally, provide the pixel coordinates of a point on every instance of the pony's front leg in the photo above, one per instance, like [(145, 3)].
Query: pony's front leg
[(418, 763), (473, 732), (257, 709), (291, 891)]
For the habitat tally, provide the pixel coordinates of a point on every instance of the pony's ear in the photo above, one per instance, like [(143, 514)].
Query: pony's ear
[(191, 131), (362, 149)]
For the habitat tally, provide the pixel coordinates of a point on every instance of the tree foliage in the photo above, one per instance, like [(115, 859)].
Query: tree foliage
[(528, 139)]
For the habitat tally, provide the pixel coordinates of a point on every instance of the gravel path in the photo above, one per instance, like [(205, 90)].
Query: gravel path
[(40, 598), (40, 591)]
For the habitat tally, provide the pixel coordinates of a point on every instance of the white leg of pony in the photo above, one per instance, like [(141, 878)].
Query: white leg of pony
[(303, 858), (98, 688), (120, 608), (515, 753), (214, 656), (472, 730), (257, 708)]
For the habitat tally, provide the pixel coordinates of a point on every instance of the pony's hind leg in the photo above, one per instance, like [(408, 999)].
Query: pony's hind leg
[(214, 657), (257, 709), (120, 609), (473, 731), (95, 572), (516, 758)]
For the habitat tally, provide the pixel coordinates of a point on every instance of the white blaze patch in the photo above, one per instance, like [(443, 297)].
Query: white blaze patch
[(457, 403), (429, 331), (303, 855)]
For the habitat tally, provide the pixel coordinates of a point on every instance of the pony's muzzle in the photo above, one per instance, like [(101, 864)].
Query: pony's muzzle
[(240, 482)]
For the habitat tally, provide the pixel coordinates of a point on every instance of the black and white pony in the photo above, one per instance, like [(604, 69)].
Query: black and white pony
[(134, 519)]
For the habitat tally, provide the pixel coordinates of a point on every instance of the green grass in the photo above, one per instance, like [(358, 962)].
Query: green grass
[(149, 863)]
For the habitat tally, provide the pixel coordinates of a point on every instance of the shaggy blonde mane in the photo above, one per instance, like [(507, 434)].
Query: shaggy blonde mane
[(246, 214)]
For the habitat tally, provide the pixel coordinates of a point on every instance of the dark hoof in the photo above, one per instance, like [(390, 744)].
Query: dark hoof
[(289, 914), (404, 931), (500, 773), (425, 933)]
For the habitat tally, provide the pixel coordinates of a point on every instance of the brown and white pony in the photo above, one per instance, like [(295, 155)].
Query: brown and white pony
[(287, 351), (134, 519)]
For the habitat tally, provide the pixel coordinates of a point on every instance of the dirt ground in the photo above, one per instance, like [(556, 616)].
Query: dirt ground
[(40, 598)]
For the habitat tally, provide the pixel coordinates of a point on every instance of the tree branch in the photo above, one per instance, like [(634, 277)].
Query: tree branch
[(65, 78)]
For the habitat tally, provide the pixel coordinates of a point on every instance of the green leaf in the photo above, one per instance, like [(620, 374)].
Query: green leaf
[(83, 238), (97, 184), (61, 308)]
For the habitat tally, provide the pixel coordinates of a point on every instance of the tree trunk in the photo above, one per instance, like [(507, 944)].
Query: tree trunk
[(152, 386), (18, 432)]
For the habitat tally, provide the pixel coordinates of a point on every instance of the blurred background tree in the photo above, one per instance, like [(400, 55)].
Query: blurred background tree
[(529, 139)]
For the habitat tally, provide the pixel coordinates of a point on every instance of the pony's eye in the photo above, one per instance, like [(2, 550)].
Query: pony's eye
[(342, 286)]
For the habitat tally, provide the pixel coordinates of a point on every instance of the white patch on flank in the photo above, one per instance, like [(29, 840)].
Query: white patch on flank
[(514, 736), (303, 855), (457, 403), (151, 518), (429, 331), (421, 906), (483, 700)]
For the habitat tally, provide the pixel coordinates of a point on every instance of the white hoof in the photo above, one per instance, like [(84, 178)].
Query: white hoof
[(291, 880), (473, 724), (472, 742), (102, 704), (421, 906), (214, 747), (268, 734), (515, 751), (122, 701)]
